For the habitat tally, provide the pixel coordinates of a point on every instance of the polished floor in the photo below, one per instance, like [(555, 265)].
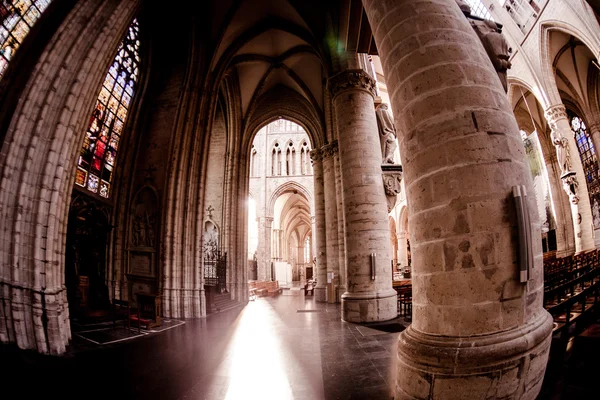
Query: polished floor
[(286, 347)]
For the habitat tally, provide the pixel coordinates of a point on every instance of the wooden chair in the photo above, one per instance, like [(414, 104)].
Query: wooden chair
[(309, 288), (148, 311), (121, 310)]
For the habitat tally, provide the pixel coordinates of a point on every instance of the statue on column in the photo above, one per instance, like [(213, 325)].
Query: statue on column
[(561, 144), (570, 186), (496, 47), (387, 133)]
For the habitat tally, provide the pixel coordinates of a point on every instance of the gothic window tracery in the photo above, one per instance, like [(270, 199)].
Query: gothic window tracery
[(98, 156), (16, 20), (589, 160)]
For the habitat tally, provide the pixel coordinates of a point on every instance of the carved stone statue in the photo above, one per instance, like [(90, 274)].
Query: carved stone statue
[(387, 133), (570, 185), (464, 7), (562, 150), (495, 45)]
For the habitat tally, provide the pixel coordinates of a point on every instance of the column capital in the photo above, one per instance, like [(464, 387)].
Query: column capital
[(351, 79), (330, 149), (555, 113), (593, 126), (316, 155)]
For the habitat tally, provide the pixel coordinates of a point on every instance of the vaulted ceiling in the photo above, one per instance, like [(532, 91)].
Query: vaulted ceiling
[(271, 44), (292, 214), (576, 73)]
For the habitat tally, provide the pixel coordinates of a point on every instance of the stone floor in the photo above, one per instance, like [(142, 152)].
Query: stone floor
[(287, 347)]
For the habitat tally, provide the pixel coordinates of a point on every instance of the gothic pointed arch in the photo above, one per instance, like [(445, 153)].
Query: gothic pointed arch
[(288, 187), (283, 102), (57, 101)]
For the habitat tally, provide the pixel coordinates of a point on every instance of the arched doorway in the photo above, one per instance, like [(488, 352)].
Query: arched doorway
[(86, 257)]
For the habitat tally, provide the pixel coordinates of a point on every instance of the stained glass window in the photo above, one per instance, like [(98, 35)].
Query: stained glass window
[(17, 17), (98, 156), (589, 159)]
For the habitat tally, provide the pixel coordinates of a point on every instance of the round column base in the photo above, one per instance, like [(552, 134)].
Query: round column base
[(321, 294), (369, 306), (504, 365)]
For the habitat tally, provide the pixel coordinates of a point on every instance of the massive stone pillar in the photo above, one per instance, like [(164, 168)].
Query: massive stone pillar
[(565, 240), (572, 176), (477, 331), (343, 286), (331, 215), (370, 296), (319, 228)]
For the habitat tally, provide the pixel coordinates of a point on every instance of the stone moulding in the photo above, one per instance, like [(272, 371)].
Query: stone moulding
[(351, 79), (475, 355)]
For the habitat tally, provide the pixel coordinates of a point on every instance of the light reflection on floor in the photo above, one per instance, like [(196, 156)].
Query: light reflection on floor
[(260, 363)]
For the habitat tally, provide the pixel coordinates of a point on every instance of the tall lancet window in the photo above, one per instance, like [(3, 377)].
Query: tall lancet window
[(279, 161), (276, 162), (305, 159), (98, 156), (17, 17), (589, 159), (253, 162), (289, 159)]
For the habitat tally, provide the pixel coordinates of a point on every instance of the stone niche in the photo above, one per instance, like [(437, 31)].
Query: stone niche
[(142, 271)]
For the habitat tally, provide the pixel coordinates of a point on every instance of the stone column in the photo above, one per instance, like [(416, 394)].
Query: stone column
[(340, 225), (572, 176), (275, 249), (477, 332), (331, 215), (402, 253), (264, 248), (370, 296), (565, 240), (320, 230)]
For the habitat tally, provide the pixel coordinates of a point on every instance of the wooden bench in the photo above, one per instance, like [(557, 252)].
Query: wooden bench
[(273, 288), (258, 287)]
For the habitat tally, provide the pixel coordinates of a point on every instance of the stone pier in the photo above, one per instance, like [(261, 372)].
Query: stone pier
[(320, 227), (370, 296), (331, 215), (477, 331)]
